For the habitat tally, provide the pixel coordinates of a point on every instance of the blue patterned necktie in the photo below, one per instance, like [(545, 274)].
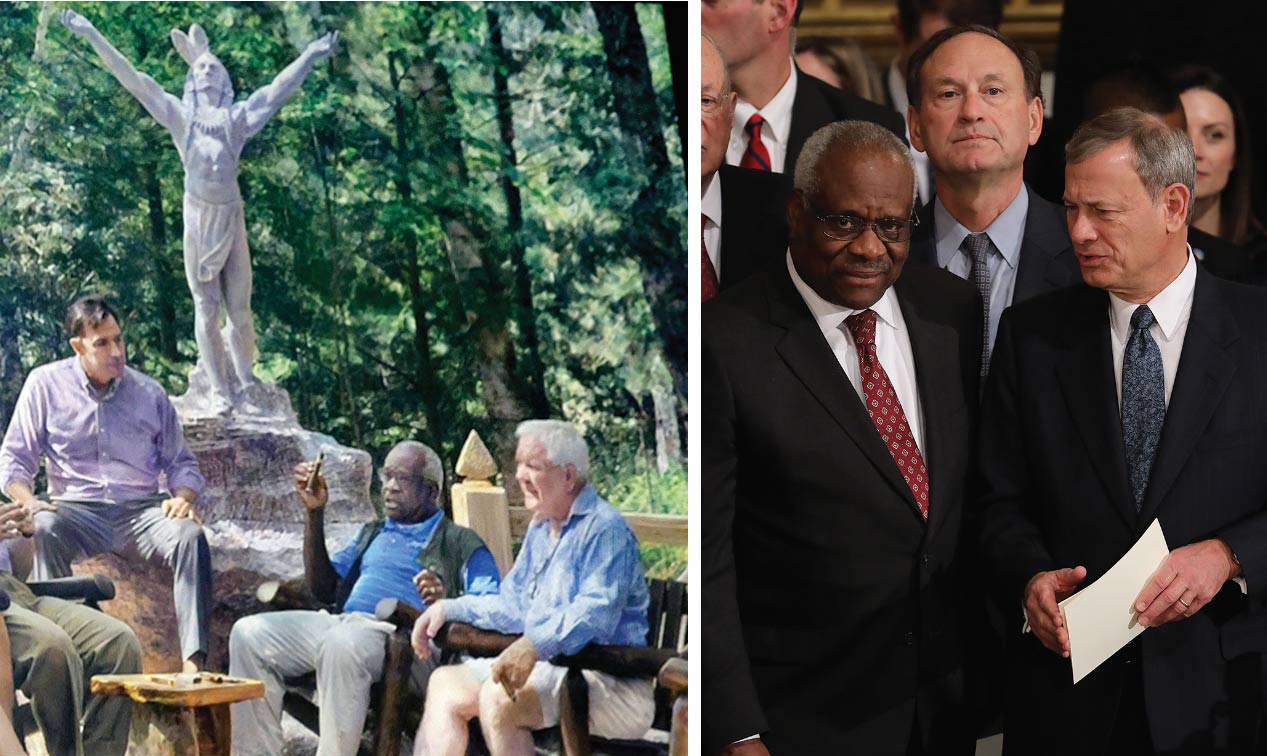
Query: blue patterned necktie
[(977, 247), (1143, 401)]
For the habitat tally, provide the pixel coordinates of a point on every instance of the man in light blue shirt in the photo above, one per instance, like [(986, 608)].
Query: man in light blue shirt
[(577, 580), (416, 555)]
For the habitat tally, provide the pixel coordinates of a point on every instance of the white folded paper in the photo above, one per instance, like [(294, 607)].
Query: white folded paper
[(1101, 618)]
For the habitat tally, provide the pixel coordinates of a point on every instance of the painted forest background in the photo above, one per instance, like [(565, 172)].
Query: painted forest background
[(473, 214)]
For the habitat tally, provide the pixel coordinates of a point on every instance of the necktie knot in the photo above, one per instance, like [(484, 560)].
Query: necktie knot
[(976, 245), (862, 327), (1142, 319), (755, 123)]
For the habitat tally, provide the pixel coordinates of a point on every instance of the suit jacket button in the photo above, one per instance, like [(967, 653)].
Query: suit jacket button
[(909, 639), (926, 558)]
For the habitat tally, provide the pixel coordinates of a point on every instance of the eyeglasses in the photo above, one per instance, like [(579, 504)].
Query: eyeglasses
[(850, 227), (709, 104)]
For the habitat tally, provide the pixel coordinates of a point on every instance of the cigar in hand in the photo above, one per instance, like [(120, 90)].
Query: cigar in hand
[(311, 484)]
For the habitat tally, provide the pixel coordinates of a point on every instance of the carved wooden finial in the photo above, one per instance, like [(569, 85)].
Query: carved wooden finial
[(475, 462)]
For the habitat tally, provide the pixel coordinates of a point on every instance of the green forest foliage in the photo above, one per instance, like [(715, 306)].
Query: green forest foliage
[(450, 226)]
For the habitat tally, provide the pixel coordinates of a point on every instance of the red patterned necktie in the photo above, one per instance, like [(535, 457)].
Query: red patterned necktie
[(886, 411), (708, 274), (756, 156)]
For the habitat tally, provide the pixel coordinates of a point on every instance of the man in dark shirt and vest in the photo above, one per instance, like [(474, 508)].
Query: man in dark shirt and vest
[(416, 555)]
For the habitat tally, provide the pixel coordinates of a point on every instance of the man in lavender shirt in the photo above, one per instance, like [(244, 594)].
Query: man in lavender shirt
[(107, 433)]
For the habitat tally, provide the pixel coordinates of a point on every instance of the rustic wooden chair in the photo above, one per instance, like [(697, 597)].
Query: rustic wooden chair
[(385, 706), (660, 658)]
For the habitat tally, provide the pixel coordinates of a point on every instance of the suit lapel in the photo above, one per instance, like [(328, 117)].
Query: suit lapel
[(935, 348), (923, 247), (1090, 388), (1045, 237), (1206, 369), (809, 357)]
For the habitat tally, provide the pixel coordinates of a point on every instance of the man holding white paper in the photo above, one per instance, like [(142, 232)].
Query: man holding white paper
[(1109, 407)]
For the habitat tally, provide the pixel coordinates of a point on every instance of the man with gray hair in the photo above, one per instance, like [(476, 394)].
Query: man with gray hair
[(416, 555), (837, 415), (741, 209), (1139, 399), (576, 581)]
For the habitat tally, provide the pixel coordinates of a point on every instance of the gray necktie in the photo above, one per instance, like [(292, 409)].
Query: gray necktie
[(977, 248), (1143, 401)]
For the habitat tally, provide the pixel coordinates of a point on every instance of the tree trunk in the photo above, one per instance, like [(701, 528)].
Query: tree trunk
[(675, 32), (652, 236), (668, 443), (30, 124), (167, 343), (531, 371), (424, 375)]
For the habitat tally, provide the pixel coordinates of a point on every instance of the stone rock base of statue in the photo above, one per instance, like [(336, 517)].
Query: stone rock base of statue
[(252, 516)]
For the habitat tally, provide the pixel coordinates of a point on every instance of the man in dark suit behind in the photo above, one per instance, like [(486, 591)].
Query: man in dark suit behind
[(779, 106), (743, 210), (975, 109), (1109, 407), (830, 530)]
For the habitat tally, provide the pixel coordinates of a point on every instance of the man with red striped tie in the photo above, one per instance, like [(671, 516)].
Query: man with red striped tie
[(779, 106)]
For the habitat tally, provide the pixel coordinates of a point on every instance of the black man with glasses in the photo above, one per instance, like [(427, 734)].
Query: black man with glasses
[(975, 108), (838, 395), (416, 554)]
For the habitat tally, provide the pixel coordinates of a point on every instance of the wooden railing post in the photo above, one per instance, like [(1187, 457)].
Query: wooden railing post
[(480, 505)]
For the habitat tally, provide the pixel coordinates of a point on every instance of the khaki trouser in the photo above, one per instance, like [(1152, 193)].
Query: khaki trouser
[(57, 647)]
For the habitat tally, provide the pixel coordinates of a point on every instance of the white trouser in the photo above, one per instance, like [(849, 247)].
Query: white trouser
[(345, 650)]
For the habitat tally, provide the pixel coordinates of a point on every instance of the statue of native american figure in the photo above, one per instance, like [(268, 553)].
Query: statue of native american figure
[(209, 130)]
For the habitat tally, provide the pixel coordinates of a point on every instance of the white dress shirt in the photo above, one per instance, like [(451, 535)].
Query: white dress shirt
[(1171, 309), (774, 134), (892, 345), (897, 96), (710, 206)]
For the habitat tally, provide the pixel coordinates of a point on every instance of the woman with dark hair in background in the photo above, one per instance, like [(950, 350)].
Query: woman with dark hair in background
[(1223, 205)]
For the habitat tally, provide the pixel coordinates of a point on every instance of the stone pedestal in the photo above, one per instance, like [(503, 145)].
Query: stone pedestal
[(252, 516)]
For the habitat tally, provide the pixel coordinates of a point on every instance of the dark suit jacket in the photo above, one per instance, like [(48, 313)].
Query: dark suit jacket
[(1047, 260), (753, 222), (1055, 494), (817, 104), (828, 603)]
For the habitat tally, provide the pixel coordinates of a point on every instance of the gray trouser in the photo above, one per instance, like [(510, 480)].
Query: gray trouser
[(345, 650), (57, 646), (134, 530)]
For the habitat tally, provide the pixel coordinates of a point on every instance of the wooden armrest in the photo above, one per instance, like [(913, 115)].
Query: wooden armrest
[(397, 612), (620, 661), (90, 588), (673, 676), (454, 636), (288, 594), (459, 636)]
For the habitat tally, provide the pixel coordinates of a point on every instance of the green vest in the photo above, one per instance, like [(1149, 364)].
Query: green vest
[(445, 554)]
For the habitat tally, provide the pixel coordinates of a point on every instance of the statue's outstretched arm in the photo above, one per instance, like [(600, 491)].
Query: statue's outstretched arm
[(267, 100), (164, 107)]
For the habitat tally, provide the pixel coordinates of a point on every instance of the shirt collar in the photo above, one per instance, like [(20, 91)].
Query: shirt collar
[(1006, 232), (777, 113), (830, 316), (1171, 307), (710, 205), (582, 505), (414, 528)]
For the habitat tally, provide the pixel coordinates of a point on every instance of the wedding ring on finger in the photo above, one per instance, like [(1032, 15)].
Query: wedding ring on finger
[(1186, 605)]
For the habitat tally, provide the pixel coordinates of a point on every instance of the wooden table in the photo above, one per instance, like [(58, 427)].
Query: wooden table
[(179, 714)]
